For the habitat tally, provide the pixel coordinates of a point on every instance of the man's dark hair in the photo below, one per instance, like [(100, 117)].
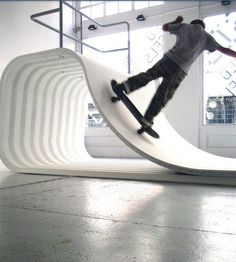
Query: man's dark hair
[(198, 22)]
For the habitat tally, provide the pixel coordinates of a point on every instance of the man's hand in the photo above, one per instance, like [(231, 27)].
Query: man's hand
[(227, 51), (179, 19)]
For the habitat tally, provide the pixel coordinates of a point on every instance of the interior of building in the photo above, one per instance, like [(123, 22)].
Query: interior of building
[(77, 183)]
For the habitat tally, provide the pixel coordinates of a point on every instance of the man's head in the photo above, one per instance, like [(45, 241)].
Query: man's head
[(198, 22)]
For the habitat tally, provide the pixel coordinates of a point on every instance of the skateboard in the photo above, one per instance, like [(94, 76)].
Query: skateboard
[(121, 96)]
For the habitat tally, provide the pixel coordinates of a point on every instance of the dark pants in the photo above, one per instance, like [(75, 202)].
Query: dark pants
[(172, 76)]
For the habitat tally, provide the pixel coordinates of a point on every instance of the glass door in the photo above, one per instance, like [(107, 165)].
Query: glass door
[(217, 129), (219, 80)]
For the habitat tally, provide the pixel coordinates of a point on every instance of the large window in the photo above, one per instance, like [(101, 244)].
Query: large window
[(146, 49), (220, 73), (95, 9)]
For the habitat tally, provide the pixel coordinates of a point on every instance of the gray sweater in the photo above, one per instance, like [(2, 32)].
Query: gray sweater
[(191, 41)]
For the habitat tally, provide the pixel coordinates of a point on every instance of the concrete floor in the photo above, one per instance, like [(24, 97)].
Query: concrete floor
[(49, 218)]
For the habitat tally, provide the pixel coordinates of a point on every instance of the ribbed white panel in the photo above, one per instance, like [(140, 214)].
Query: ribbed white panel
[(42, 110), (42, 114)]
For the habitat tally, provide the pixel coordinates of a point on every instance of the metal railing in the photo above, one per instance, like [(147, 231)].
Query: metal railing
[(59, 10)]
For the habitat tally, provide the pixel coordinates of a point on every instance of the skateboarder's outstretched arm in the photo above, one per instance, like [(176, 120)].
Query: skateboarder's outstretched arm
[(223, 50), (226, 51)]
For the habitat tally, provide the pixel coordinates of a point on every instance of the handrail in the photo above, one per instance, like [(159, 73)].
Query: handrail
[(60, 31), (94, 21)]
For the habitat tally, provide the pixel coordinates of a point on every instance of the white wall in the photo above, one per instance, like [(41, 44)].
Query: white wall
[(19, 34)]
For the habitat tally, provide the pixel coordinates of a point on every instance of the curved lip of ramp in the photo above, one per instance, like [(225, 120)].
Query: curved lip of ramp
[(171, 150)]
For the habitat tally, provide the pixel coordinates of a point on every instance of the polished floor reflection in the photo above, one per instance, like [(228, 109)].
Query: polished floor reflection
[(50, 218)]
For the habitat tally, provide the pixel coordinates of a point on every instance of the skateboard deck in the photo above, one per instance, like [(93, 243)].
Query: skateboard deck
[(121, 96)]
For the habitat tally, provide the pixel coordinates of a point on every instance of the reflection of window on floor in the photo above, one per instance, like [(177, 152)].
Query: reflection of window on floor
[(220, 72), (144, 53)]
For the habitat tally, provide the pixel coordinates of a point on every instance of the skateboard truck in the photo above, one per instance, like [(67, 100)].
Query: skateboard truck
[(148, 130)]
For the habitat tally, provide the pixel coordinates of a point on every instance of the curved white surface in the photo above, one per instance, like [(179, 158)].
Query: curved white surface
[(43, 98)]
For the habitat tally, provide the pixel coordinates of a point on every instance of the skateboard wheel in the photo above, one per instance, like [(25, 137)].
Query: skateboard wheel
[(140, 131), (114, 99)]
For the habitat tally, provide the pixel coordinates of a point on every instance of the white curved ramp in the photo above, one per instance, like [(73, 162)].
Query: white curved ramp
[(42, 114)]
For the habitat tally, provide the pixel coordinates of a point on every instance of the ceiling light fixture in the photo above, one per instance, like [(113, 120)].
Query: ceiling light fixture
[(92, 27), (140, 18)]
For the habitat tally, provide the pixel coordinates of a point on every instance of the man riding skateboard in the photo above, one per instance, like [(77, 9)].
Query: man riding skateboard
[(191, 41)]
